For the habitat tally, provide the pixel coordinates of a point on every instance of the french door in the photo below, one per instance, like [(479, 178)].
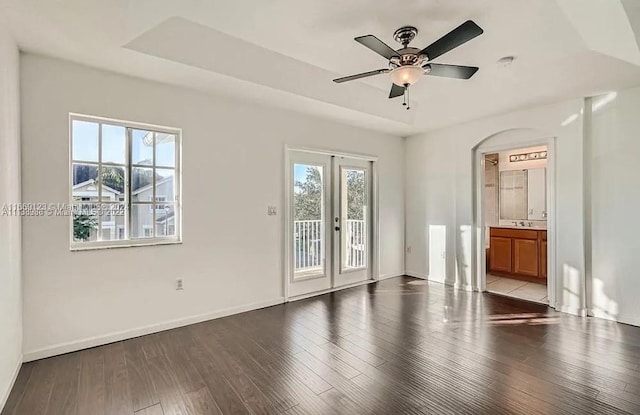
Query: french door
[(330, 215)]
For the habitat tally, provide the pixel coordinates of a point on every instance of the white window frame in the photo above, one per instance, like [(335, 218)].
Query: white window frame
[(177, 203), (159, 200)]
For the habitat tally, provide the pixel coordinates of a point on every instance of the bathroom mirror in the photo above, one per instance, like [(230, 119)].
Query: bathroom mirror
[(523, 194)]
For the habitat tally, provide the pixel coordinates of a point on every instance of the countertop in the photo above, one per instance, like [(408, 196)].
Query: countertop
[(533, 228)]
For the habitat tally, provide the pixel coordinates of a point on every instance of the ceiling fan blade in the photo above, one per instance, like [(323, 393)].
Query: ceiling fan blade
[(360, 75), (451, 71), (396, 91), (377, 46), (461, 34)]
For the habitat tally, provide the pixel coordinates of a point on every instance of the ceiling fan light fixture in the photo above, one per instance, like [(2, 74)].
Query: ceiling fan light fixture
[(406, 75)]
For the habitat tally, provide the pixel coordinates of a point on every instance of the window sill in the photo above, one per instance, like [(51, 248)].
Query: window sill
[(124, 244)]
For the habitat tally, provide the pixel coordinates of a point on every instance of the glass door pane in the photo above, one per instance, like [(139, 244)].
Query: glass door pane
[(308, 220), (354, 208)]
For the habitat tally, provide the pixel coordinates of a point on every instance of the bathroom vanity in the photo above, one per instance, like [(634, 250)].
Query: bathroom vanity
[(518, 252)]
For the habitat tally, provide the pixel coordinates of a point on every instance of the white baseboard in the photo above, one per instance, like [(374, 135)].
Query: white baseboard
[(601, 314), (576, 311), (416, 275), (5, 394), (387, 276), (141, 331), (463, 287)]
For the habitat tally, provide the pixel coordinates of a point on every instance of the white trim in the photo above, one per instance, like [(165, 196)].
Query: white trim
[(342, 276), (337, 153), (375, 226), (478, 229), (323, 281), (330, 290), (587, 200), (388, 276), (125, 243), (418, 275), (89, 342), (124, 123), (5, 395), (462, 287), (580, 312)]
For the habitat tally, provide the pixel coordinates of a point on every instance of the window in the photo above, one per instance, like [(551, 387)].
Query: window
[(124, 183)]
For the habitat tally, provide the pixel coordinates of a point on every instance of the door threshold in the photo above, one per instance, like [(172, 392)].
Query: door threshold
[(517, 298), (329, 290)]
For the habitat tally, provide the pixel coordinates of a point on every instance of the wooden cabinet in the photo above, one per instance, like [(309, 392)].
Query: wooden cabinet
[(518, 253), (543, 257), (525, 257), (500, 257)]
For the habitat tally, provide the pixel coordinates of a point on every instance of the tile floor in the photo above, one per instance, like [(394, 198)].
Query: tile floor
[(516, 288)]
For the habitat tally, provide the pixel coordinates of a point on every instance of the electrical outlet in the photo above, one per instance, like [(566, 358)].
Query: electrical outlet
[(408, 250), (179, 284), (272, 210)]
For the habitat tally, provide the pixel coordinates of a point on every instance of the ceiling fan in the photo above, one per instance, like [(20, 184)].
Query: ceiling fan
[(407, 65)]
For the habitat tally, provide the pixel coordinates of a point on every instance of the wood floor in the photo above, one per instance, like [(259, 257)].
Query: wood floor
[(399, 346)]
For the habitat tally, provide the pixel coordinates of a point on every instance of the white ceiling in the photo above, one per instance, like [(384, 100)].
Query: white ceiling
[(285, 52)]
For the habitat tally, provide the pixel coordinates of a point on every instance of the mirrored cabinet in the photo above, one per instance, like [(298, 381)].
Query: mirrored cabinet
[(523, 194)]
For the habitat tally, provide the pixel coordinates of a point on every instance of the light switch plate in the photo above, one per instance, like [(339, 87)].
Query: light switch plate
[(272, 210)]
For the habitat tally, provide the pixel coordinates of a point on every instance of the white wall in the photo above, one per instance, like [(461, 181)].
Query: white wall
[(10, 245), (233, 167), (440, 188), (615, 208)]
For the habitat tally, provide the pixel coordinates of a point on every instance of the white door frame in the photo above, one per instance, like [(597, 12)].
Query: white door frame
[(315, 281), (287, 222), (479, 237), (342, 277)]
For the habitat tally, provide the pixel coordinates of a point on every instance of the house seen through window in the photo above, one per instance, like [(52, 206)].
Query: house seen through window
[(124, 183)]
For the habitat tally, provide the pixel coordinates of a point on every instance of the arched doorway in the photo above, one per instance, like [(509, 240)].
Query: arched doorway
[(503, 141)]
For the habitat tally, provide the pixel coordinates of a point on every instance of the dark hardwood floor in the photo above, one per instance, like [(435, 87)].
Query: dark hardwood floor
[(398, 346)]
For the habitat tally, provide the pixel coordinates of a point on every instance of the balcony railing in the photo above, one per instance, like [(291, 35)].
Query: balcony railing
[(356, 240), (308, 235)]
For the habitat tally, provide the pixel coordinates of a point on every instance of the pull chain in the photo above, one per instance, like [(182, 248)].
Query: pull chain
[(405, 97)]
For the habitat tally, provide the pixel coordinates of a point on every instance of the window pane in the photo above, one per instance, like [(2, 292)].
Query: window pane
[(308, 225), (112, 217), (142, 147), (142, 221), (165, 185), (85, 222), (113, 184), (354, 209), (142, 184), (165, 220), (113, 144), (85, 182), (85, 140), (165, 150)]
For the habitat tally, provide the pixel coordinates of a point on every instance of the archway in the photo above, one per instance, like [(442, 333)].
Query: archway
[(503, 141)]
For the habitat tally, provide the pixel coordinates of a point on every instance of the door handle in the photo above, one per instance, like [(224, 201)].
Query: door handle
[(337, 228)]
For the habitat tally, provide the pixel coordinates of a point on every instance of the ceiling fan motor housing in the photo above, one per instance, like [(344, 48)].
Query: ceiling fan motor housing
[(405, 35)]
